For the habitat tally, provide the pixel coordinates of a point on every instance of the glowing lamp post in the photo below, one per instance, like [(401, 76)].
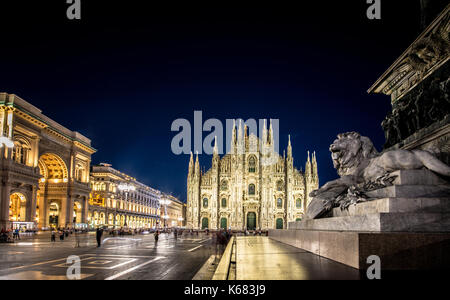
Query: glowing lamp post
[(124, 187), (165, 203)]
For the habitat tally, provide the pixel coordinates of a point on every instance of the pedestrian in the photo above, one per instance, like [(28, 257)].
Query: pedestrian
[(156, 236), (99, 234), (77, 239), (175, 233), (61, 235), (53, 239)]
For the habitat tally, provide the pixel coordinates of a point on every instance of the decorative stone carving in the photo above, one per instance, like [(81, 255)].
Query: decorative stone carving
[(363, 169), (429, 102)]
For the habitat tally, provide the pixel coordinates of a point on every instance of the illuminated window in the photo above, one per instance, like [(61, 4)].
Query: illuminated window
[(252, 164), (279, 203), (251, 189), (224, 185), (280, 185)]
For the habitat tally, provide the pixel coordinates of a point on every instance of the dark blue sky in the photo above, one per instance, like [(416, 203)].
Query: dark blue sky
[(122, 74)]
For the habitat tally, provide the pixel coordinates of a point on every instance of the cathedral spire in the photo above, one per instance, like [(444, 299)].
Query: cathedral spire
[(197, 164), (216, 149), (233, 138), (240, 141), (270, 132), (289, 148), (191, 164), (264, 133), (315, 173), (308, 168)]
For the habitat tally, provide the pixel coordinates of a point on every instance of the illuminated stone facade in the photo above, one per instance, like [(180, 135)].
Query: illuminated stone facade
[(118, 200), (250, 188), (44, 168), (172, 211)]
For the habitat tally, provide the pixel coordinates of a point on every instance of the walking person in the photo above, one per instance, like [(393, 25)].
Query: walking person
[(156, 236), (99, 234), (77, 239), (53, 238)]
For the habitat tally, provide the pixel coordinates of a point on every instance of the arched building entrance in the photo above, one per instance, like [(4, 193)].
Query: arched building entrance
[(17, 207), (77, 212), (251, 221), (53, 215)]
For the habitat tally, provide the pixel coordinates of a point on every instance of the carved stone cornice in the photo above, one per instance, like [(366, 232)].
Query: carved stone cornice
[(429, 51)]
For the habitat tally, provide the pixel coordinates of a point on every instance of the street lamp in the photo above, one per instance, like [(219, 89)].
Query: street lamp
[(125, 187), (165, 203)]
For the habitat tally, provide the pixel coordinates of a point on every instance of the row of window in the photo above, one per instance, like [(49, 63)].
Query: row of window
[(251, 187), (298, 203)]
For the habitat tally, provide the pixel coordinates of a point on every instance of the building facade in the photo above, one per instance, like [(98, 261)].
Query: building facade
[(44, 169), (251, 187), (172, 212), (118, 200)]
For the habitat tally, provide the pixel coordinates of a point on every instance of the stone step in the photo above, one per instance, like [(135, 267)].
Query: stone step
[(380, 222), (411, 191), (396, 205), (420, 177)]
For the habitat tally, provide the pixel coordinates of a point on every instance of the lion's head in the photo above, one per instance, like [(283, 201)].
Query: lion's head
[(349, 150)]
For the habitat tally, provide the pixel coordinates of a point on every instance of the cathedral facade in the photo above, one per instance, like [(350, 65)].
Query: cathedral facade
[(251, 187)]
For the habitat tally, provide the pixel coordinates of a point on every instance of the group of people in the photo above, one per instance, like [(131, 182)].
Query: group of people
[(5, 235), (62, 232)]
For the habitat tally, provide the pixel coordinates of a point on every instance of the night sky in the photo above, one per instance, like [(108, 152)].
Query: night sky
[(122, 74)]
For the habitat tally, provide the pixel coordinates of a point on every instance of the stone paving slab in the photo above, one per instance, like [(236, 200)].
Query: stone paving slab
[(261, 258)]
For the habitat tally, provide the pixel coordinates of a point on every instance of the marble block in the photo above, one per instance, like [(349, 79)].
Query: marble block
[(395, 205)]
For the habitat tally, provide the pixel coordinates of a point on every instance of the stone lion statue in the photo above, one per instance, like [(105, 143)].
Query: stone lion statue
[(361, 166)]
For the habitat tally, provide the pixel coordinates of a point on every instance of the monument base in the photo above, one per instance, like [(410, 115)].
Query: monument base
[(397, 250), (407, 225)]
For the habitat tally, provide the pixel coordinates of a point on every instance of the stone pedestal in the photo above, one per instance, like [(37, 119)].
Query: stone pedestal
[(407, 225)]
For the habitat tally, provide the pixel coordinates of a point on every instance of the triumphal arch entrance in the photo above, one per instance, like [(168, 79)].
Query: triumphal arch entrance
[(44, 169)]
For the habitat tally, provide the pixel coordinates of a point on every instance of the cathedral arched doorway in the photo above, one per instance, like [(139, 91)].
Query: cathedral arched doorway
[(205, 222), (223, 223), (279, 223), (17, 207), (251, 221), (53, 214)]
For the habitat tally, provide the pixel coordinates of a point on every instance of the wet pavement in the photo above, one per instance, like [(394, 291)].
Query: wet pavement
[(128, 257), (261, 258)]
